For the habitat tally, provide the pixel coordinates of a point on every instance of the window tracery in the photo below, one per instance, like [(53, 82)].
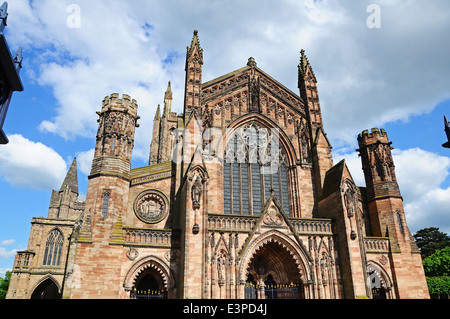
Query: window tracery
[(255, 165), (53, 248)]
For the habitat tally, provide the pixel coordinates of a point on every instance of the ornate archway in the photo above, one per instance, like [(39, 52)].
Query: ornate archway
[(47, 288), (378, 282), (149, 278), (274, 268)]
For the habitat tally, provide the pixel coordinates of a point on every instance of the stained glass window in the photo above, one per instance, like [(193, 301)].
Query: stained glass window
[(255, 166), (53, 249)]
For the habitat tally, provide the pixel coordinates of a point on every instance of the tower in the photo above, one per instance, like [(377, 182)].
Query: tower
[(387, 215), (193, 86), (307, 84), (106, 199), (163, 131), (63, 203), (322, 158)]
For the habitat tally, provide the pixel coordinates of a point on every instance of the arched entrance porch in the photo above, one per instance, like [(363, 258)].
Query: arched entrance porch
[(47, 289), (274, 270), (378, 282), (150, 278), (149, 284)]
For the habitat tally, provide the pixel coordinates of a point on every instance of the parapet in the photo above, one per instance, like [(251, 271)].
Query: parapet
[(375, 136), (125, 103)]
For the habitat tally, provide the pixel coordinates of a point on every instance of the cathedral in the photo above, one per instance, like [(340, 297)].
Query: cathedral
[(241, 199)]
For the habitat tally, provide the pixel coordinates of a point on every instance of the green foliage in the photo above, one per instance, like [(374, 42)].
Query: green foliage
[(4, 284), (437, 272), (430, 240), (438, 264), (439, 285)]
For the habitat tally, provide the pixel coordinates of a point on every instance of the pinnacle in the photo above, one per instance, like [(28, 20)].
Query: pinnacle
[(71, 179), (195, 43), (158, 113), (168, 94)]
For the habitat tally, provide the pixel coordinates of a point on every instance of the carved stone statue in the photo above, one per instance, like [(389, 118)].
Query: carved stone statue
[(254, 91), (197, 192), (349, 200), (221, 267)]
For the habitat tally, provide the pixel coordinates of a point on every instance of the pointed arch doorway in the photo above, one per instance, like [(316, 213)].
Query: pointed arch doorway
[(149, 285), (150, 278), (46, 290), (273, 274)]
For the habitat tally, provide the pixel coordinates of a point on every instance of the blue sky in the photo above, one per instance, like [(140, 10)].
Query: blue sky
[(78, 52)]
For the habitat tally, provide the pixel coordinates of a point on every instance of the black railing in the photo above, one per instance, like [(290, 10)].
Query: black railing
[(149, 294), (291, 291)]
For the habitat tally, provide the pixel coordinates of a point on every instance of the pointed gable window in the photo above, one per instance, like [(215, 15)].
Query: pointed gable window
[(255, 165), (53, 249)]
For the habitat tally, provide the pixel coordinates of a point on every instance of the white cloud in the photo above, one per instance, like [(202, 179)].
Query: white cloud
[(7, 242), (84, 161), (366, 76), (120, 48), (7, 253), (3, 272), (420, 175), (24, 163)]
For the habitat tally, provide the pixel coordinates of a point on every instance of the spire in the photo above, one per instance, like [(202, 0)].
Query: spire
[(195, 41), (167, 102), (195, 46), (304, 63), (71, 179), (168, 95), (158, 113), (193, 84)]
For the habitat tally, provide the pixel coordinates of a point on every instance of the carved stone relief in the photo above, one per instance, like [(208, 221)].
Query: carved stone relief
[(151, 206)]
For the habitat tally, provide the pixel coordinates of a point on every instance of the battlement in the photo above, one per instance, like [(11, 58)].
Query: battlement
[(376, 135), (114, 101)]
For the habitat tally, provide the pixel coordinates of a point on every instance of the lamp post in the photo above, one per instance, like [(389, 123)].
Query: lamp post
[(9, 72), (447, 132)]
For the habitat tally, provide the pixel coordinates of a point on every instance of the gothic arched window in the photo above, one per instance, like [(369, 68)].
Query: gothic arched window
[(53, 248), (255, 164), (105, 204)]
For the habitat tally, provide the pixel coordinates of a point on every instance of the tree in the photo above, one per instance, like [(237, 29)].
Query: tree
[(438, 264), (437, 272), (439, 287), (4, 284), (431, 239)]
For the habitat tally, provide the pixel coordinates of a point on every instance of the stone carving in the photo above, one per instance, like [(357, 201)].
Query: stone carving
[(150, 207), (254, 93), (305, 149), (221, 266), (273, 217), (197, 189), (132, 254), (170, 256), (349, 200)]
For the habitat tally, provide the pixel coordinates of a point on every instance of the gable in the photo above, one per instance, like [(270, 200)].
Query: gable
[(237, 89), (272, 218), (335, 177)]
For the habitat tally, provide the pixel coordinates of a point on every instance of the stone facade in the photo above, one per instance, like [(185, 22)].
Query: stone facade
[(241, 199)]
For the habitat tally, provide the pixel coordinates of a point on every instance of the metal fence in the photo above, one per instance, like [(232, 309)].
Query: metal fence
[(149, 294), (290, 291)]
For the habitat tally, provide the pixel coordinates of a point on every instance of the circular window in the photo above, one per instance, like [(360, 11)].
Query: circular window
[(151, 206)]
